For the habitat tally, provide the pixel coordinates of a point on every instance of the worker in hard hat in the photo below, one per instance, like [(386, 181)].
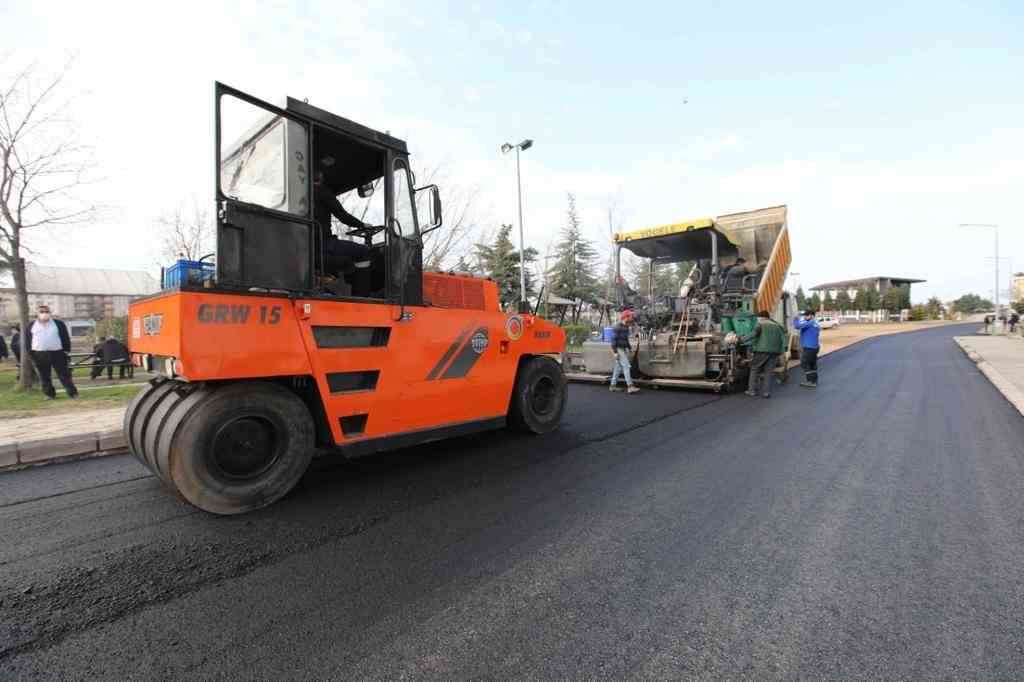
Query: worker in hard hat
[(620, 353), (769, 339)]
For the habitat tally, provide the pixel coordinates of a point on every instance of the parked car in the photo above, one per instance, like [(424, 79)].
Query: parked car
[(828, 322)]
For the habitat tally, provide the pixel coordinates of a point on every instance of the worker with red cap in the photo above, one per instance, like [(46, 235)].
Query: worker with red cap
[(620, 352)]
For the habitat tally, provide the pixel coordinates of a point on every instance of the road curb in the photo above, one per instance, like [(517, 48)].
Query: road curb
[(25, 454), (1009, 391)]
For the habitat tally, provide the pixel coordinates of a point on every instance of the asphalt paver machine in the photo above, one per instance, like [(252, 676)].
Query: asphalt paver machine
[(688, 340), (275, 355)]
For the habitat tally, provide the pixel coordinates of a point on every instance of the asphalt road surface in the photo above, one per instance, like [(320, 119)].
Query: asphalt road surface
[(872, 529)]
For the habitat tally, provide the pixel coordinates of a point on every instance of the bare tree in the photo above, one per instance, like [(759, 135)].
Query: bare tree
[(42, 170), (186, 232), (461, 230)]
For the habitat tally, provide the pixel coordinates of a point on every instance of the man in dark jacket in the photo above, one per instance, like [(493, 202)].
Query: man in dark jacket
[(620, 353), (97, 359), (339, 252), (809, 344), (50, 344), (732, 275), (16, 342), (115, 353), (769, 339)]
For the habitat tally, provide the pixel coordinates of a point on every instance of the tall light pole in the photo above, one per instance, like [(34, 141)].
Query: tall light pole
[(505, 149), (995, 230)]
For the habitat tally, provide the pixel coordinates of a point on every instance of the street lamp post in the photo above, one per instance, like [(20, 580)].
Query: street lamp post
[(995, 230), (505, 149)]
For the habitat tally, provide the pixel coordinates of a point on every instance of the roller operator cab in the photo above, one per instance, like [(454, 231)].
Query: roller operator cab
[(320, 331)]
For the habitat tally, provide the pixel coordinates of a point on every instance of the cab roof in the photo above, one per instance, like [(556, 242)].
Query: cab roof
[(689, 240), (308, 111)]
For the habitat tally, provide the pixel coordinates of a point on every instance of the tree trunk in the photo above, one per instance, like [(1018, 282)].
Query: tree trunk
[(21, 294)]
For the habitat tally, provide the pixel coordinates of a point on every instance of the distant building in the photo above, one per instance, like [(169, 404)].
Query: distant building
[(879, 284), (79, 296), (1017, 292)]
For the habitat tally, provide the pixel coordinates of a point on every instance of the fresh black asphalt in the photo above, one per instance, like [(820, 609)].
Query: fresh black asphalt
[(871, 529)]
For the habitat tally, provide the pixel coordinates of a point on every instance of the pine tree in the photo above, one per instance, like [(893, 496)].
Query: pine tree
[(572, 275), (801, 298), (843, 300), (815, 302), (860, 300), (934, 308), (464, 266), (829, 302), (500, 262), (904, 290), (893, 300), (872, 299)]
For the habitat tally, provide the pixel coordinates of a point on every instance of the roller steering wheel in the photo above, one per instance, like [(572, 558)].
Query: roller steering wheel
[(367, 233)]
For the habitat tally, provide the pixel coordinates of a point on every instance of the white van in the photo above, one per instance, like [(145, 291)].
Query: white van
[(828, 322)]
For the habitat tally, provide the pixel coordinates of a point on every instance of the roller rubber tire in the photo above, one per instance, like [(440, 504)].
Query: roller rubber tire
[(137, 417), (539, 396), (177, 414), (242, 447), (129, 414)]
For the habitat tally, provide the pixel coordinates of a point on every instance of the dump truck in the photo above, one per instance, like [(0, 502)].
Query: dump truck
[(274, 354), (686, 339)]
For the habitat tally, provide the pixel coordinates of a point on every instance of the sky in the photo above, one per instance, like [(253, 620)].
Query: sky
[(881, 126)]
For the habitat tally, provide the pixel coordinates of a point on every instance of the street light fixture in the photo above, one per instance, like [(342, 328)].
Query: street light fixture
[(505, 149), (995, 230)]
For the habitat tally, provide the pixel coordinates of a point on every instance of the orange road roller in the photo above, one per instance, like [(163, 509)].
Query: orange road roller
[(316, 328)]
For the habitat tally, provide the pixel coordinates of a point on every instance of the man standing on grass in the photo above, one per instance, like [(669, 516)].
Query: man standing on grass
[(50, 345), (769, 339), (620, 353), (809, 345)]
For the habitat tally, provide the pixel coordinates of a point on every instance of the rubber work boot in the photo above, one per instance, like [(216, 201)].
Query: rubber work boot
[(632, 389)]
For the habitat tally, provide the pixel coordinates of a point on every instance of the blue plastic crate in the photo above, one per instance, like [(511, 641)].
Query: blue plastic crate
[(188, 272)]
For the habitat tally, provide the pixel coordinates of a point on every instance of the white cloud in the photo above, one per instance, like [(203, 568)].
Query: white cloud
[(730, 141)]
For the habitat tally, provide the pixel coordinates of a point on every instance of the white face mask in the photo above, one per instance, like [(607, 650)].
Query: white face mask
[(44, 317)]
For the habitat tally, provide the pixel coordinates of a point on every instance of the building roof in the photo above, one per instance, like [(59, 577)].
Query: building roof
[(45, 279), (863, 281)]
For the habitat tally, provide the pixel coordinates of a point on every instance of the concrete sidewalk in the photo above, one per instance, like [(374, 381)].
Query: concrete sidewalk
[(34, 440), (1001, 359)]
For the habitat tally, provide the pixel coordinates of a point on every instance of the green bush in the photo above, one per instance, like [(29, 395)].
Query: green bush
[(576, 334), (918, 313)]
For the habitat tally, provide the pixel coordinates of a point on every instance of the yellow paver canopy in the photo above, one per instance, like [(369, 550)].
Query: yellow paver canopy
[(690, 240)]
